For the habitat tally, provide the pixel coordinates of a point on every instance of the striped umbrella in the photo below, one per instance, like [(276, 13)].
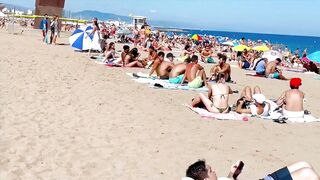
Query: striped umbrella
[(197, 37), (81, 38)]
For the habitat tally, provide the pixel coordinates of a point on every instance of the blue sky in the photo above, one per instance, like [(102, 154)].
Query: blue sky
[(298, 17)]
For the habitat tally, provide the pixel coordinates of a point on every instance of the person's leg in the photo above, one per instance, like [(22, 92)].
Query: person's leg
[(282, 77), (196, 101), (247, 92), (298, 165), (213, 72), (208, 103), (257, 90), (203, 76), (304, 173)]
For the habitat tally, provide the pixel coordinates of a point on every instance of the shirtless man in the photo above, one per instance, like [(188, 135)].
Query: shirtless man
[(177, 72), (206, 55), (218, 96), (222, 67), (291, 100), (273, 72), (195, 74), (161, 67), (126, 50)]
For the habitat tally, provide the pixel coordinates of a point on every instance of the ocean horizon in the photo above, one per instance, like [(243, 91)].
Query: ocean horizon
[(312, 43)]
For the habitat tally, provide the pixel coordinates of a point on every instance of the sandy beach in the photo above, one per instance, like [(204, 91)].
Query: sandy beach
[(63, 116)]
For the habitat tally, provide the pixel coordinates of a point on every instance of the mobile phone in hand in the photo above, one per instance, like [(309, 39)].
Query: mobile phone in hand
[(238, 170)]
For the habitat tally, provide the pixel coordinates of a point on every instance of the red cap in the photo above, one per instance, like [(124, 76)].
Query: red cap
[(295, 82)]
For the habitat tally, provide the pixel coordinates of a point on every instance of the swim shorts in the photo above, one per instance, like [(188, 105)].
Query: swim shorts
[(281, 174), (210, 60), (196, 83), (275, 75), (176, 80)]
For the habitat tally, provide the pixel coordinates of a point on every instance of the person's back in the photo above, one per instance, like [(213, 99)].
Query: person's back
[(163, 69), (178, 70), (220, 95), (294, 100), (270, 68), (261, 67), (191, 71)]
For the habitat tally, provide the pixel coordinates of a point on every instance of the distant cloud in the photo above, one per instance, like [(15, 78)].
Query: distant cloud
[(153, 11)]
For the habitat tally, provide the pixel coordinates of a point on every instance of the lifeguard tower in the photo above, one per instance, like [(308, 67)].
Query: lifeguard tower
[(138, 21)]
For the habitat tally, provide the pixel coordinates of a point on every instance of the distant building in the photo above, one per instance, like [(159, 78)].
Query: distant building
[(138, 21)]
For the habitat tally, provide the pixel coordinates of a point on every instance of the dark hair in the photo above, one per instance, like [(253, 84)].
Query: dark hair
[(304, 55), (161, 54), (134, 52), (110, 45), (126, 47), (151, 47), (194, 58), (186, 47), (219, 76), (278, 59), (197, 170), (222, 56), (188, 60), (294, 87)]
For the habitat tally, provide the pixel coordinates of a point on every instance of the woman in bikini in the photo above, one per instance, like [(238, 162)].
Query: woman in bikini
[(132, 59), (110, 53), (218, 97)]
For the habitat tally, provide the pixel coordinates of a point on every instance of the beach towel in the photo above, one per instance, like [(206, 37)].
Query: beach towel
[(157, 83), (254, 74), (278, 117), (218, 116)]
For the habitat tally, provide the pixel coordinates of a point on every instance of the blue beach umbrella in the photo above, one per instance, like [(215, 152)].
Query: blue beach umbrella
[(81, 38), (315, 57)]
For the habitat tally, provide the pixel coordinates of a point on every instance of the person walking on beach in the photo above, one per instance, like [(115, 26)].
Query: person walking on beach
[(54, 30), (291, 100), (195, 74), (44, 27), (273, 72)]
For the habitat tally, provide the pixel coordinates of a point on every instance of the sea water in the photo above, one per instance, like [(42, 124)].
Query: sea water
[(292, 42)]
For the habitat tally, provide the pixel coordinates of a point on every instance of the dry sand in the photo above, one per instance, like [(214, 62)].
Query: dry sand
[(65, 117)]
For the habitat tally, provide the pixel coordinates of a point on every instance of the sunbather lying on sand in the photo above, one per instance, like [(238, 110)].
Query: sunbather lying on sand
[(297, 171), (195, 74), (162, 67), (253, 103), (218, 97), (291, 100)]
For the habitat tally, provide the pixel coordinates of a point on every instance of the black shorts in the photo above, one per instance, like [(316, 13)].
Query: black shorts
[(281, 174)]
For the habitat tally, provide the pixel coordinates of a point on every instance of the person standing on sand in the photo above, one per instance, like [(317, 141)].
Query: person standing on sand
[(291, 100), (54, 30), (218, 97), (273, 72), (195, 74), (44, 27), (222, 67), (162, 67)]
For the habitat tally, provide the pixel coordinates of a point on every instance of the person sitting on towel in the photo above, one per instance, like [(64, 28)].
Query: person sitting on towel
[(132, 59), (273, 72), (126, 50), (218, 97), (194, 74), (177, 72), (255, 104), (161, 67), (206, 55), (291, 100), (222, 67)]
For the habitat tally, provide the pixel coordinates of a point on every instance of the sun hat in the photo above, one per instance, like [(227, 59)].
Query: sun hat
[(259, 98)]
